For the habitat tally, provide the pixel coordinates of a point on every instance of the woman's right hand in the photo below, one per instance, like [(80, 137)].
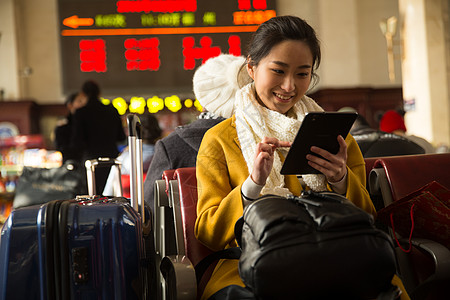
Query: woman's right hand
[(264, 156)]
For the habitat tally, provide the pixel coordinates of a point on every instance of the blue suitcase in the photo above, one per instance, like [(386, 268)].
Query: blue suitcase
[(91, 247)]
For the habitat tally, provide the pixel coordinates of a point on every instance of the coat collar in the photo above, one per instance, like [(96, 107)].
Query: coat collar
[(193, 133)]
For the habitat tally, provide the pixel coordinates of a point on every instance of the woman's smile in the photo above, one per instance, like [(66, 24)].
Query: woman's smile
[(283, 98), (283, 76)]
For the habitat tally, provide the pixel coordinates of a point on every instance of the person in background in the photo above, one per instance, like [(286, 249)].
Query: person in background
[(212, 81), (64, 127), (393, 122), (240, 158), (376, 143), (96, 132), (151, 132)]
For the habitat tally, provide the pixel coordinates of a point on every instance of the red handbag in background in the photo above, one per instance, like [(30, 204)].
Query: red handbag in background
[(424, 213)]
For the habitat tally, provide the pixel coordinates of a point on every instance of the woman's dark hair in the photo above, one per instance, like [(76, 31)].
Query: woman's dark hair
[(279, 29), (151, 131)]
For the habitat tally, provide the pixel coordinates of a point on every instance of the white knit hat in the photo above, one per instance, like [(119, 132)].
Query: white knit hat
[(216, 82)]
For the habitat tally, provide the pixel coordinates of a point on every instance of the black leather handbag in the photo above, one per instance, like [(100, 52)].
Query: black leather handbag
[(41, 185), (317, 246)]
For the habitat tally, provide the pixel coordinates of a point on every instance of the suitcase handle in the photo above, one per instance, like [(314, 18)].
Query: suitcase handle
[(134, 126), (92, 164), (136, 161)]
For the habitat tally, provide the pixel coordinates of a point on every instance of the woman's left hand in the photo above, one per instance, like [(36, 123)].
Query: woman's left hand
[(333, 166)]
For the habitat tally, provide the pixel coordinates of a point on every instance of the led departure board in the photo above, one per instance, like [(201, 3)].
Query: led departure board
[(151, 47)]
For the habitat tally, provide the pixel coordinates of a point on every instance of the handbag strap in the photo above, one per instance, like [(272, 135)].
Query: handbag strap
[(202, 266), (411, 214)]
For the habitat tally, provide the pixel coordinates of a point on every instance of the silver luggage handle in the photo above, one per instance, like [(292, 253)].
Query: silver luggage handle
[(136, 161), (92, 164)]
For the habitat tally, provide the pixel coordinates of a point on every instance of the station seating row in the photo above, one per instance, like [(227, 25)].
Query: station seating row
[(425, 271)]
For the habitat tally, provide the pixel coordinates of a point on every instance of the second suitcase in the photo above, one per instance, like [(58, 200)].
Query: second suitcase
[(91, 247)]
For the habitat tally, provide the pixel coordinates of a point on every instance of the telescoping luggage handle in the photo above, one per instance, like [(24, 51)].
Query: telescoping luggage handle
[(136, 161), (92, 164)]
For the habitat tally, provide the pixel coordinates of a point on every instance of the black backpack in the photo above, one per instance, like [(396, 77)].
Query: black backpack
[(317, 246)]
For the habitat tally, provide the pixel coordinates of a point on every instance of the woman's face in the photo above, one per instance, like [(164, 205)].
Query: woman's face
[(283, 76)]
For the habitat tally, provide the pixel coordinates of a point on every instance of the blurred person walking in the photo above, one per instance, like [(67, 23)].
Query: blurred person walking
[(97, 131), (64, 126)]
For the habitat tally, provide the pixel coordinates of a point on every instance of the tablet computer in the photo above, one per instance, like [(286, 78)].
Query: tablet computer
[(319, 129)]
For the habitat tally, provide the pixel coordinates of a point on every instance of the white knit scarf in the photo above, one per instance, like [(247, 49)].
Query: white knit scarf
[(254, 122)]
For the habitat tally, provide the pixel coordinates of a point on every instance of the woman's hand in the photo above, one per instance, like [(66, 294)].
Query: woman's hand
[(264, 156), (333, 166)]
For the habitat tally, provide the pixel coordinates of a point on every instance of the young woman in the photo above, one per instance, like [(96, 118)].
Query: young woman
[(240, 158)]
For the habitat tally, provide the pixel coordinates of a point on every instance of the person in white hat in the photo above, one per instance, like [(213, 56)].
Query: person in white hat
[(215, 89), (217, 81)]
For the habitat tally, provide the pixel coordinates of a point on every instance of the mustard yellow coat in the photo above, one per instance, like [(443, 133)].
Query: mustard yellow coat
[(221, 171)]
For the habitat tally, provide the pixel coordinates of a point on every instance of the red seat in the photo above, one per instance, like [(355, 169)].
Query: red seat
[(187, 188), (167, 176), (425, 271), (193, 249), (179, 269), (410, 172)]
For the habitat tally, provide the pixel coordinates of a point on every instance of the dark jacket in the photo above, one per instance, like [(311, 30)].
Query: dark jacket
[(63, 135), (97, 130), (178, 150), (375, 143)]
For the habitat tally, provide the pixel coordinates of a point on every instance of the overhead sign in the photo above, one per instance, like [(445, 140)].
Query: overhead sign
[(151, 47)]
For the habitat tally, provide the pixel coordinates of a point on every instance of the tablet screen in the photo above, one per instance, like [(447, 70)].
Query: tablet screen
[(319, 129)]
